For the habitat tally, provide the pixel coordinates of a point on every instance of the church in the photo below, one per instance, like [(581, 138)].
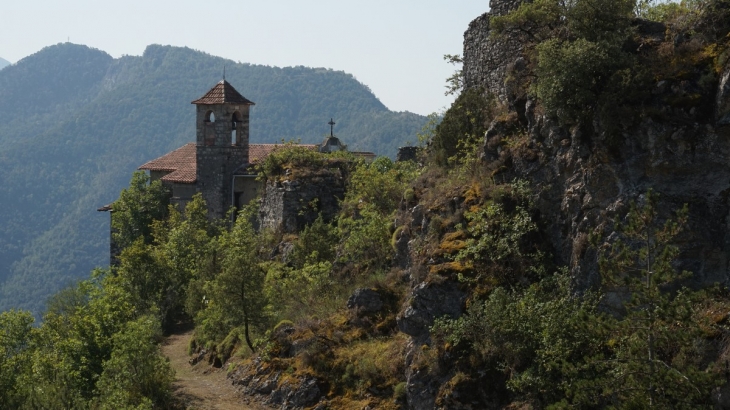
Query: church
[(219, 164)]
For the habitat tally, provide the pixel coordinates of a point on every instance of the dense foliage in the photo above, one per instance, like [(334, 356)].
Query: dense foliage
[(595, 57), (463, 124), (94, 350)]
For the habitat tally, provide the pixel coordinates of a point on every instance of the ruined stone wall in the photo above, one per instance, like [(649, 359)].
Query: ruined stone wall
[(489, 59), (292, 202)]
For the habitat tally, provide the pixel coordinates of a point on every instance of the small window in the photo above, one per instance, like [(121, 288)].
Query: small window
[(209, 116)]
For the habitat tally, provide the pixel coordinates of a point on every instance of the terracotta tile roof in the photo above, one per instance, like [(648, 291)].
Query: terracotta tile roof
[(182, 176), (223, 93), (181, 163), (258, 152)]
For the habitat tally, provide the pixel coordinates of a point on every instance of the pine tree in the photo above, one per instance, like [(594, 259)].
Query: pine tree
[(654, 360)]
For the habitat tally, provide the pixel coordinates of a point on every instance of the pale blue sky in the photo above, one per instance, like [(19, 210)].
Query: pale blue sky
[(395, 47)]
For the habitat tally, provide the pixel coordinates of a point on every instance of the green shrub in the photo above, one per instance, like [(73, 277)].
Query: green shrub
[(499, 246), (399, 391), (578, 47), (366, 239), (316, 243), (292, 155), (467, 118), (572, 74), (528, 336), (381, 183)]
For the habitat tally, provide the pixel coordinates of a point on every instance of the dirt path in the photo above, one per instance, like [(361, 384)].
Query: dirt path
[(200, 387)]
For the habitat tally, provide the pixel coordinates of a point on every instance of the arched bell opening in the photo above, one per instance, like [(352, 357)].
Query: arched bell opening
[(209, 128), (235, 128)]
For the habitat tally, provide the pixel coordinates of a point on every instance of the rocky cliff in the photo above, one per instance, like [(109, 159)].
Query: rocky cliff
[(572, 180), (584, 177)]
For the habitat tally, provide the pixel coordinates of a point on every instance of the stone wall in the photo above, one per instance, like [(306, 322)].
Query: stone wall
[(214, 125), (294, 201), (215, 167), (489, 59)]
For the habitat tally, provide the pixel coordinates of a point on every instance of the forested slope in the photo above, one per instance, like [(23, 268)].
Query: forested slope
[(77, 122)]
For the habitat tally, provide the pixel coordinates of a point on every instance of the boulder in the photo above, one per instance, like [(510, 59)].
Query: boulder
[(365, 301), (428, 302)]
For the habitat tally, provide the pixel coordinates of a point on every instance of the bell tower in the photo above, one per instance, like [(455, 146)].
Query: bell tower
[(221, 144)]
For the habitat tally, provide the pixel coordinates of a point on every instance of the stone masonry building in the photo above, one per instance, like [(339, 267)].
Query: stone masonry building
[(219, 164)]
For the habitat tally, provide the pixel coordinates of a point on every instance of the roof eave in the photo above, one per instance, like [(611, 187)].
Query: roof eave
[(199, 102)]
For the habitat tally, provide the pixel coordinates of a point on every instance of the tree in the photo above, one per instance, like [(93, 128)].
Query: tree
[(316, 243), (237, 292), (499, 246), (380, 183), (136, 375), (455, 82), (578, 46), (189, 253), (142, 274), (467, 119), (15, 348), (73, 342), (655, 358), (571, 75), (366, 239), (137, 207)]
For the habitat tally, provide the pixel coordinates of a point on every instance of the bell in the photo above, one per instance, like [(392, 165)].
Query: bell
[(233, 125)]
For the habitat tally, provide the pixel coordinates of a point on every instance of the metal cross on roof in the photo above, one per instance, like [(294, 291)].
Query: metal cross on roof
[(332, 127)]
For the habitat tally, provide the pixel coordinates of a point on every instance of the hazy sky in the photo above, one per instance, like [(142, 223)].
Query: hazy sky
[(395, 47)]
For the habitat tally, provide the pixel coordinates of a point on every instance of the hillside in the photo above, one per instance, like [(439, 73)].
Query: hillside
[(561, 242), (79, 122), (3, 63)]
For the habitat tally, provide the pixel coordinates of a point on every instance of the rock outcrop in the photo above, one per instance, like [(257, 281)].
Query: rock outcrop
[(274, 389), (365, 301), (583, 180)]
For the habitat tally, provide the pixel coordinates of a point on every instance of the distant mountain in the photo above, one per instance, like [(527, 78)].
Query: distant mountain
[(77, 122), (4, 63)]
